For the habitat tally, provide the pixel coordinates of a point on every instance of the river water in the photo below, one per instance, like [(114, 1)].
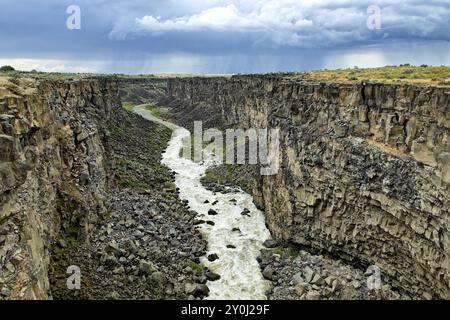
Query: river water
[(238, 268)]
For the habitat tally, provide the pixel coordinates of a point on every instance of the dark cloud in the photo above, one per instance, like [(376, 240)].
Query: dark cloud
[(221, 35)]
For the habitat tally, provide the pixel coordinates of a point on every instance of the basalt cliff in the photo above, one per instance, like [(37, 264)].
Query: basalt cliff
[(53, 174)]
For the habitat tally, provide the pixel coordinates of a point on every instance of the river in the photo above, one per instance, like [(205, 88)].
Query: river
[(237, 239)]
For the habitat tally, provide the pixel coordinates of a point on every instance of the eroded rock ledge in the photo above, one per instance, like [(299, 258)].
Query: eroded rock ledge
[(365, 171)]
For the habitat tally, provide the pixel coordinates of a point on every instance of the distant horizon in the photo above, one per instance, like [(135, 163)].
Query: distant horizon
[(162, 74), (434, 57), (221, 36)]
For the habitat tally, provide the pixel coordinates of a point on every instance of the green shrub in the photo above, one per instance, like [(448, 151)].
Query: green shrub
[(128, 106), (196, 267), (7, 69)]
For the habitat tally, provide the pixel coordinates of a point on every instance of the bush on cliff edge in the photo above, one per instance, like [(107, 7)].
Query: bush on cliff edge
[(6, 69)]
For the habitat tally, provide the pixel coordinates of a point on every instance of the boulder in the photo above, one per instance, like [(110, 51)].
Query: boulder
[(201, 290), (297, 278), (212, 212), (211, 276), (119, 270), (313, 295), (213, 257), (147, 267), (268, 272), (317, 279), (270, 243), (300, 289), (308, 274), (157, 277), (189, 288), (113, 247), (82, 136)]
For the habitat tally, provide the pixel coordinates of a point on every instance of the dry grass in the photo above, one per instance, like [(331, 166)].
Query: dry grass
[(17, 83), (424, 75)]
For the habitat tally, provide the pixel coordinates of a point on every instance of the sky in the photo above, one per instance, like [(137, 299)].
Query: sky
[(221, 36)]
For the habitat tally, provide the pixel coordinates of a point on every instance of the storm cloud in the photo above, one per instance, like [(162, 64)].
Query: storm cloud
[(222, 36)]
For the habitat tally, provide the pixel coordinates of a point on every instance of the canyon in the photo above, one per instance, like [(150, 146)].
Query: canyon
[(364, 173), (364, 180)]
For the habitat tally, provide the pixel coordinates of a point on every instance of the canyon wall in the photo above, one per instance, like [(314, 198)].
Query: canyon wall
[(365, 168), (54, 174), (140, 90)]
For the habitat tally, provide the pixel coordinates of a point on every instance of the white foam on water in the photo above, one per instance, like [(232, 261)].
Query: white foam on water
[(238, 268)]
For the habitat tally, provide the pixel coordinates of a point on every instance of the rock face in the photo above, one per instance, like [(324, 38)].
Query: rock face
[(365, 168), (141, 90), (53, 175)]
